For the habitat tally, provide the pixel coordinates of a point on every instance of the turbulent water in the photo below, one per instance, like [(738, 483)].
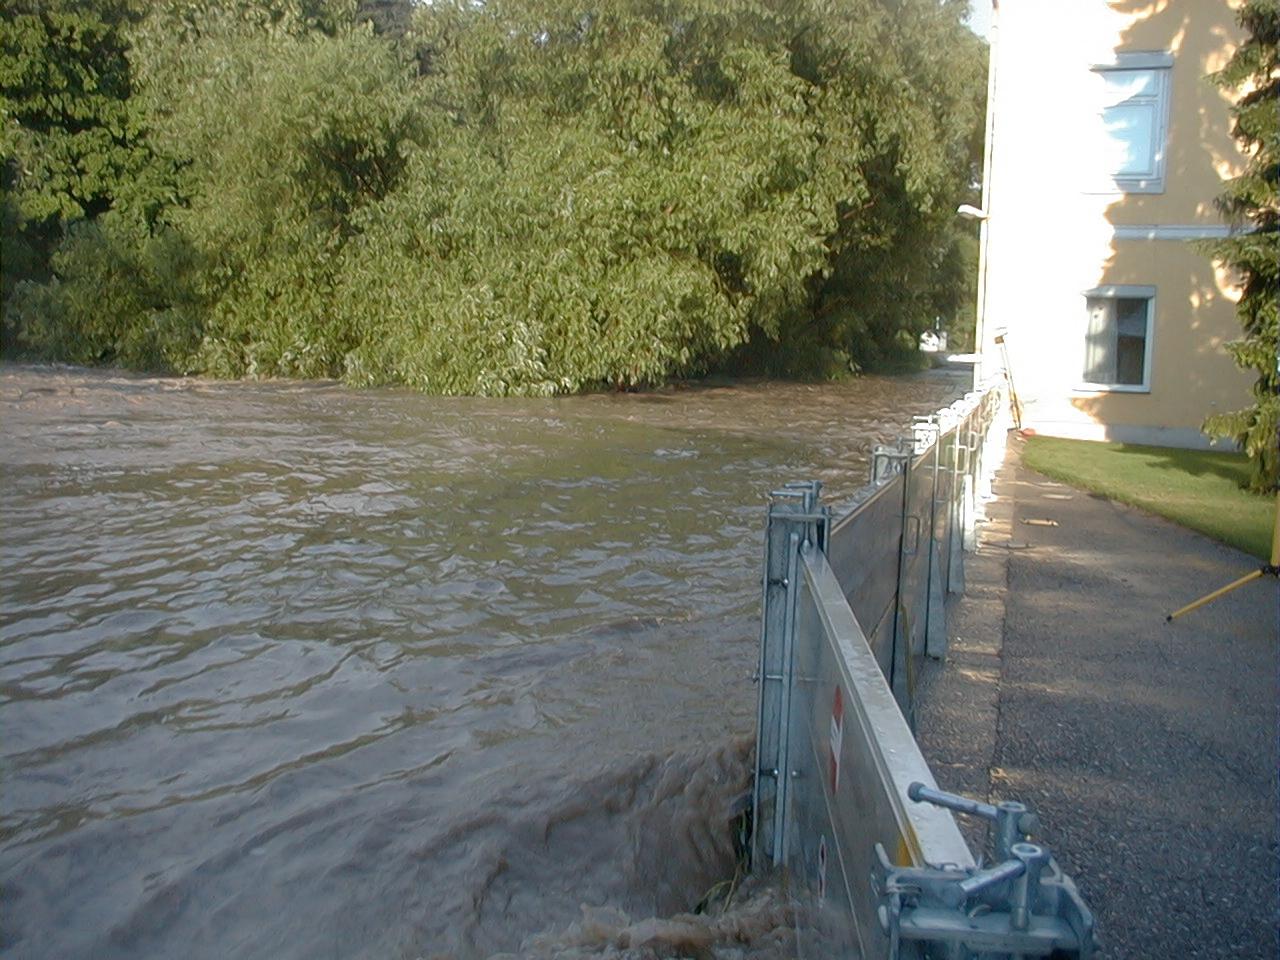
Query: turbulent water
[(295, 671)]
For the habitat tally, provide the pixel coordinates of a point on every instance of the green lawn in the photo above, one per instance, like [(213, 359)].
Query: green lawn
[(1196, 488)]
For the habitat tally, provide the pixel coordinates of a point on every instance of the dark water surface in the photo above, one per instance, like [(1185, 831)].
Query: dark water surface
[(295, 671)]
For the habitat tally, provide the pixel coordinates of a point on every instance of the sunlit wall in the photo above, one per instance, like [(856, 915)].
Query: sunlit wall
[(1108, 146)]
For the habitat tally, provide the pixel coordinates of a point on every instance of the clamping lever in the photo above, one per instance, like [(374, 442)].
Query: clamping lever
[(1014, 822)]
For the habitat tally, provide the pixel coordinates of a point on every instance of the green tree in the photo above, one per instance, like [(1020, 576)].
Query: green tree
[(120, 292), (282, 123), (71, 142), (1252, 201), (633, 190), (528, 196), (285, 136), (620, 191), (901, 114)]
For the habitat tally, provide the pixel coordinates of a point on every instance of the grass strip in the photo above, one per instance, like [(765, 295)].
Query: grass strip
[(1199, 489)]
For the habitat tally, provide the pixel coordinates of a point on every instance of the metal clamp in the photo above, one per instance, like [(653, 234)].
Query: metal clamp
[(1023, 905), (1014, 822)]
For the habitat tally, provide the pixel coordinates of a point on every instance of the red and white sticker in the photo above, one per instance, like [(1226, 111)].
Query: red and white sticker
[(837, 736)]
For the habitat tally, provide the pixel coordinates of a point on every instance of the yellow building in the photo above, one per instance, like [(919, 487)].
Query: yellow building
[(1106, 147)]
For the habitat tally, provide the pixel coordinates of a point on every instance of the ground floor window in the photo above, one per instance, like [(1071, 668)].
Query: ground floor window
[(1117, 342)]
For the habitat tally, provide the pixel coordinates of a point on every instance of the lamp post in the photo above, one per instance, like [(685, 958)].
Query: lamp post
[(968, 211), (982, 213)]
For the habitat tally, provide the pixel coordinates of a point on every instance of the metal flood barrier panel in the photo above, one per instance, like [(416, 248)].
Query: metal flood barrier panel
[(844, 803), (898, 549)]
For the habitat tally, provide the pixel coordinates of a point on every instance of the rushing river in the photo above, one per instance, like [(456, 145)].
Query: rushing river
[(295, 671)]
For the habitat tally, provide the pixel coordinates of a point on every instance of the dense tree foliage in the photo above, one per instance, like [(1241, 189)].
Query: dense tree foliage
[(1252, 200), (70, 138), (524, 196)]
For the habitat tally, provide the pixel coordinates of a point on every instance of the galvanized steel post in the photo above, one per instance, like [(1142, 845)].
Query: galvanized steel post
[(955, 536), (927, 432), (795, 519), (886, 462)]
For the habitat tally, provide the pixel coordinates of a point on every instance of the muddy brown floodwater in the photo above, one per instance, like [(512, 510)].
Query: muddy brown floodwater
[(295, 671)]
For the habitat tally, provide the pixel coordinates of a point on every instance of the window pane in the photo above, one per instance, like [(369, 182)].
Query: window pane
[(1131, 104), (1100, 342), (1131, 316), (1123, 84), (1130, 130), (1130, 353)]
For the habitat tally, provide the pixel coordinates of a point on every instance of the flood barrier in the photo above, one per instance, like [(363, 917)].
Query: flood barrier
[(844, 803)]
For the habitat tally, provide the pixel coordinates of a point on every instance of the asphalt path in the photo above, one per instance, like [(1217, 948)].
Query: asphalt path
[(1148, 748)]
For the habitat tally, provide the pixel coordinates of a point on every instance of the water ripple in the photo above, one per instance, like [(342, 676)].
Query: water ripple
[(288, 670)]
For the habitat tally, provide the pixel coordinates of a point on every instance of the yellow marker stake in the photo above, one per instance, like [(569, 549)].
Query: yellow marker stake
[(1272, 569)]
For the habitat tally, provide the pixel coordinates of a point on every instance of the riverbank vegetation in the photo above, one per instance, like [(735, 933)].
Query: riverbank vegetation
[(515, 197), (1200, 489)]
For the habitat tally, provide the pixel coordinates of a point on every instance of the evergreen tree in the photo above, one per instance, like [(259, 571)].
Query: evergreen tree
[(1252, 201)]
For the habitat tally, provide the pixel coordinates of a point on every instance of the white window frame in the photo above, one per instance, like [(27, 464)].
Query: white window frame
[(1162, 63), (1115, 291)]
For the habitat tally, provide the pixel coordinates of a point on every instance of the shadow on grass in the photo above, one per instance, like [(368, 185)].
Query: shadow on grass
[(1196, 463), (1202, 490)]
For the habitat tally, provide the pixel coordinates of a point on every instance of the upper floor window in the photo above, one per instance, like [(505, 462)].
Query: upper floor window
[(1135, 117)]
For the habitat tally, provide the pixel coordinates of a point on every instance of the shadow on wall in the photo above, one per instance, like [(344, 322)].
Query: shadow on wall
[(1192, 376)]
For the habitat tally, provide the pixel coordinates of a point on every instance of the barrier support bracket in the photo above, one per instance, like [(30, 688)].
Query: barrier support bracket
[(1024, 905)]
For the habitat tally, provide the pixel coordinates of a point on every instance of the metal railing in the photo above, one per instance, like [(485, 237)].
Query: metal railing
[(844, 803)]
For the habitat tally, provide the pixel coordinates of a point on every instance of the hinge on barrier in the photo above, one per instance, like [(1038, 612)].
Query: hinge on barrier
[(888, 461), (925, 432), (809, 493), (1023, 905)]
